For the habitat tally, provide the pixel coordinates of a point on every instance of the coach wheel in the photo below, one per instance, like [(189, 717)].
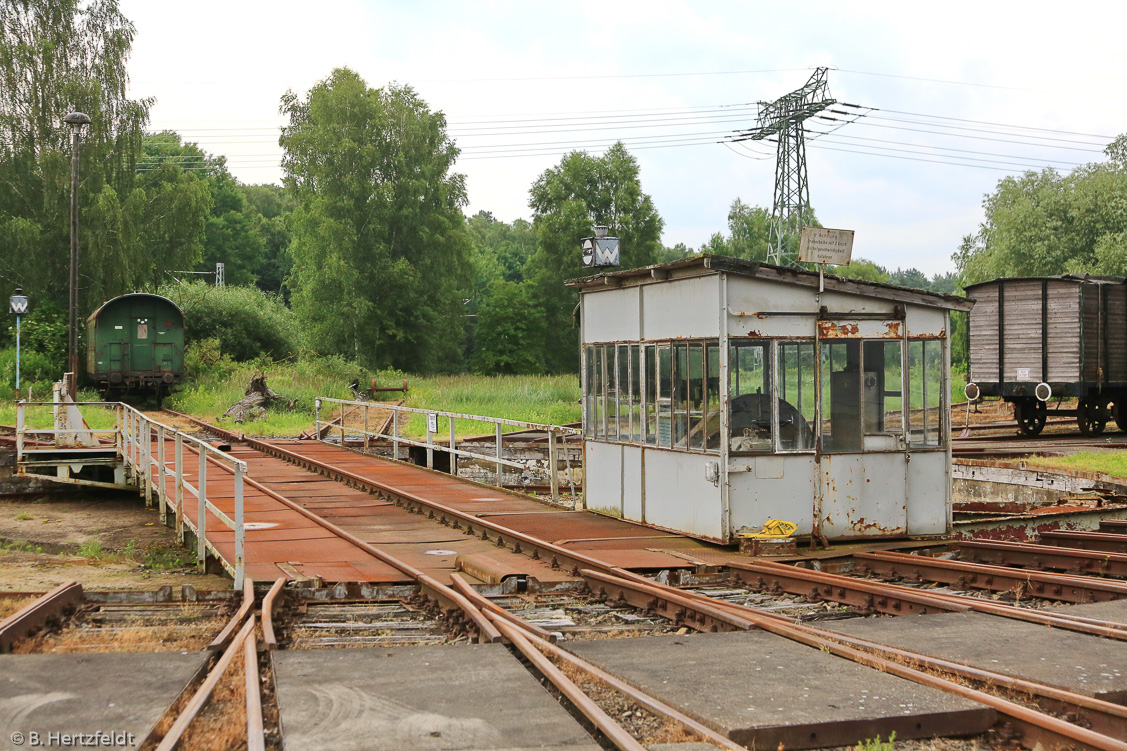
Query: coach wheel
[(1091, 416), (1030, 416)]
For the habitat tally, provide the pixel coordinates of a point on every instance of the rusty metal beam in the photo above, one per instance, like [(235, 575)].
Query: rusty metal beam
[(967, 575), (1057, 733), (1106, 541), (607, 726), (203, 693), (35, 615), (1072, 560), (256, 732), (223, 638), (270, 605), (1093, 626), (1114, 526), (866, 596)]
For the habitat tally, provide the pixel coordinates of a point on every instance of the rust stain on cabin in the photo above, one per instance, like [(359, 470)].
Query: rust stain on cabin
[(832, 330)]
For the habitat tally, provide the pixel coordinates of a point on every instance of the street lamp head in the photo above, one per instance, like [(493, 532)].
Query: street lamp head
[(76, 120)]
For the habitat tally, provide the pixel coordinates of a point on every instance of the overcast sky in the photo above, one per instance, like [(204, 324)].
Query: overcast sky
[(1025, 85)]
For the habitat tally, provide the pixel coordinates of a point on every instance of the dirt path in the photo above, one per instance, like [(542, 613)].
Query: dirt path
[(101, 540)]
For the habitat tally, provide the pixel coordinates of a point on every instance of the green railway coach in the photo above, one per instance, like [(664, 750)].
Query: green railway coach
[(135, 343)]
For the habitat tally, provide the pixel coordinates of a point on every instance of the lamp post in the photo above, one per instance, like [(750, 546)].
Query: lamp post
[(17, 304), (75, 120)]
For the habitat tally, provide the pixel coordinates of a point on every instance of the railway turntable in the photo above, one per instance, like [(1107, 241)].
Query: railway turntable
[(720, 394)]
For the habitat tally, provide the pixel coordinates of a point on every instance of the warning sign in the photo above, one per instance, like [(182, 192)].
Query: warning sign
[(821, 245)]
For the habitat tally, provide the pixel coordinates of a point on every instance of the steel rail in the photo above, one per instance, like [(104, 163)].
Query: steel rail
[(547, 645), (1103, 716), (37, 614), (256, 731), (614, 732), (1066, 733), (223, 638), (1087, 562), (967, 575), (1114, 526), (1109, 542), (866, 595), (702, 612), (203, 693), (830, 584), (453, 600), (270, 604)]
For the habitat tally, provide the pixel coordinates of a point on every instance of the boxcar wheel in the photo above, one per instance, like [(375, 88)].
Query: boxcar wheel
[(1119, 412), (1091, 416), (1030, 416)]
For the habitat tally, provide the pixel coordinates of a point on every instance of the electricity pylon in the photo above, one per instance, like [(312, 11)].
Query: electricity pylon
[(784, 118)]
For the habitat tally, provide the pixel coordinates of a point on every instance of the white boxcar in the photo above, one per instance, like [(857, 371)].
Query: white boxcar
[(720, 393)]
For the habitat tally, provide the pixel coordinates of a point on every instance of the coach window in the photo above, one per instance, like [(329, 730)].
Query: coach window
[(925, 374), (749, 377)]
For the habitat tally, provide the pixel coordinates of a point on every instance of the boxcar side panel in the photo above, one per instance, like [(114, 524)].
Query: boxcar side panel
[(1064, 332), (983, 335), (1091, 345), (1117, 326), (1022, 324)]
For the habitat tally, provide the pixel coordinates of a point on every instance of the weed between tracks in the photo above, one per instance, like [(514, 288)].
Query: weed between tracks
[(185, 630), (9, 605)]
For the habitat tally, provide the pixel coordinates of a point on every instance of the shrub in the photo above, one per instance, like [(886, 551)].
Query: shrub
[(246, 322)]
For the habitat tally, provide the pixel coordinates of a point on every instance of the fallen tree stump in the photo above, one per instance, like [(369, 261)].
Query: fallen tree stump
[(253, 405)]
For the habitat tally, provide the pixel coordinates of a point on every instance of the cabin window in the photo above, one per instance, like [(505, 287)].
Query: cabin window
[(635, 393), (927, 399), (749, 376), (841, 396), (664, 395), (610, 367), (882, 387), (680, 429), (796, 396), (650, 357), (712, 396)]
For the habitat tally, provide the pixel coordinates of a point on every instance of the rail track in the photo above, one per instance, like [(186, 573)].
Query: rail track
[(433, 610), (696, 610)]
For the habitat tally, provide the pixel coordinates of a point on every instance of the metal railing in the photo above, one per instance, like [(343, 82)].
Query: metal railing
[(557, 438), (134, 434)]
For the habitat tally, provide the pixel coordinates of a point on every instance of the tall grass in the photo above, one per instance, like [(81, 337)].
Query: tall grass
[(542, 399)]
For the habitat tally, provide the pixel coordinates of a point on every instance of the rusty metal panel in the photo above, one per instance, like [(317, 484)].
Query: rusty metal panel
[(771, 487), (864, 495), (861, 329), (633, 499), (678, 494), (611, 315), (603, 478), (679, 309), (925, 321), (928, 500)]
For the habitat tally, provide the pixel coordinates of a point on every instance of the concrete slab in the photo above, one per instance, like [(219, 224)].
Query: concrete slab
[(120, 695), (764, 691), (1085, 664), (1112, 610), (433, 698)]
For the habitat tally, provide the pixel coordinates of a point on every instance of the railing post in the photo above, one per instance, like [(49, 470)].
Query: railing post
[(555, 480), (147, 457), (162, 496), (395, 433), (366, 410), (453, 456), (201, 520), (500, 475), (119, 438), (240, 530), (317, 420), (19, 430), (342, 416), (430, 442), (180, 487)]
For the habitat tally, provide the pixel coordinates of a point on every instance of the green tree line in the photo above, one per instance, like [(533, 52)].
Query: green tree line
[(365, 251)]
